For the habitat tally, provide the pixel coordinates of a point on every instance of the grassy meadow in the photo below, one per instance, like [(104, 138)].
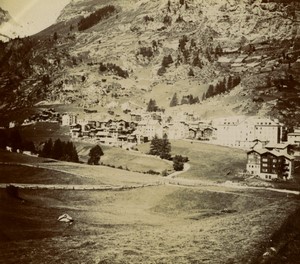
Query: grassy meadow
[(210, 162)]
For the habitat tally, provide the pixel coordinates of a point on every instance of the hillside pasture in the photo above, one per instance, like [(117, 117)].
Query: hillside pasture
[(125, 159), (209, 162), (151, 225)]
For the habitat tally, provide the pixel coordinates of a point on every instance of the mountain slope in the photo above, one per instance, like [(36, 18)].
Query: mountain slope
[(164, 47)]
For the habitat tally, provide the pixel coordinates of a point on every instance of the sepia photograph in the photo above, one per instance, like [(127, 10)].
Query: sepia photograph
[(150, 131)]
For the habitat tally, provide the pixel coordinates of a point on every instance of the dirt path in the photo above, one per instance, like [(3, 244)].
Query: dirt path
[(171, 180), (75, 186)]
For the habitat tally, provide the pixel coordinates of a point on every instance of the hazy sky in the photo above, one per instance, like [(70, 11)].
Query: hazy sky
[(33, 15)]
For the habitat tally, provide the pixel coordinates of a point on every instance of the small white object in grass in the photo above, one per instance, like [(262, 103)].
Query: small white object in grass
[(65, 218)]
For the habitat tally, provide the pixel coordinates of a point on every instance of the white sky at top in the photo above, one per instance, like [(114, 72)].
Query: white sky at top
[(33, 15)]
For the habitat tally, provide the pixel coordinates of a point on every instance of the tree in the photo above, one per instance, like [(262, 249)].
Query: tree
[(165, 149), (152, 107), (160, 147), (55, 36), (95, 155), (174, 100), (57, 150), (161, 71), (178, 162), (47, 149), (210, 91), (167, 60), (154, 146)]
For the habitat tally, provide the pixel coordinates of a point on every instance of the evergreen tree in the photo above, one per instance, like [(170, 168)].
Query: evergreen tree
[(165, 148), (57, 150), (152, 107), (210, 91), (47, 149), (154, 146), (95, 155), (55, 36), (160, 147), (174, 100)]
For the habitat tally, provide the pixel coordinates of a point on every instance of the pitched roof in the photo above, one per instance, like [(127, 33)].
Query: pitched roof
[(277, 145), (259, 151)]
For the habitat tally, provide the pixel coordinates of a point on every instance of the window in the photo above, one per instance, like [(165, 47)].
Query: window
[(265, 159), (265, 165)]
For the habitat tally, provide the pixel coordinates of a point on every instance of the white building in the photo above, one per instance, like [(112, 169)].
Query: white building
[(69, 119), (241, 131), (148, 129), (177, 130), (294, 138)]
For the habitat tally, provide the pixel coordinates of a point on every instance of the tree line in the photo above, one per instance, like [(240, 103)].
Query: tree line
[(186, 99), (59, 150), (222, 86), (96, 17)]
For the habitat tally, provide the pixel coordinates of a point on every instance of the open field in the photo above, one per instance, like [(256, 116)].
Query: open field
[(121, 158), (207, 161), (25, 174), (158, 224), (152, 225)]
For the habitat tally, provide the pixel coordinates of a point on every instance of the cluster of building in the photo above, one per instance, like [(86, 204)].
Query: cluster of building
[(139, 129), (268, 157)]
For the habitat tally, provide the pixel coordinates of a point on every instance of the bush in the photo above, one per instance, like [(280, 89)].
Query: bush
[(178, 162), (152, 172), (178, 166), (164, 173)]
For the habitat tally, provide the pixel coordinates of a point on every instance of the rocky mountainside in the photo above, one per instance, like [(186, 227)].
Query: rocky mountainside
[(103, 54), (8, 27)]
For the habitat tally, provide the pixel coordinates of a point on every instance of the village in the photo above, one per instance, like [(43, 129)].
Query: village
[(271, 151)]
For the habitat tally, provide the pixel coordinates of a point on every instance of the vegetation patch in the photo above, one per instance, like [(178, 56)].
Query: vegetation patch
[(96, 17)]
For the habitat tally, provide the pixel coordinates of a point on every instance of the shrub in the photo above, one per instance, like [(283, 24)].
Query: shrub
[(152, 172), (164, 173), (178, 162), (178, 166)]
